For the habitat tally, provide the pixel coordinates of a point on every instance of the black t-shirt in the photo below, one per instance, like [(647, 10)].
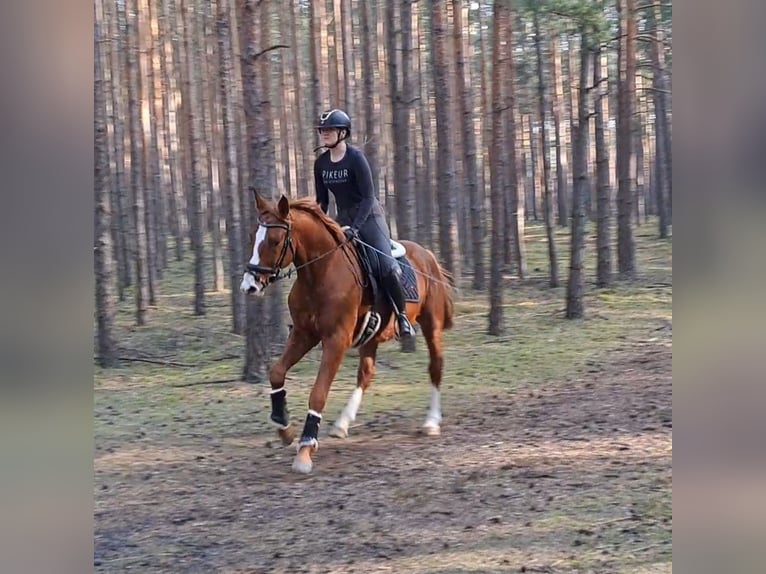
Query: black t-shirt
[(350, 181)]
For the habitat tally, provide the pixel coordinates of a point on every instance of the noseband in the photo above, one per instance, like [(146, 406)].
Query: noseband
[(275, 272)]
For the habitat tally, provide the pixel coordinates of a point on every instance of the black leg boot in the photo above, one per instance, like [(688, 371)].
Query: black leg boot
[(396, 292)]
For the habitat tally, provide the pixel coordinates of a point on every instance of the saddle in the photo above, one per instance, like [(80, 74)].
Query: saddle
[(381, 308)]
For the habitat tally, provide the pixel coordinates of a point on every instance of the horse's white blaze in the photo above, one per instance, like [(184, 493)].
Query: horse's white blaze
[(259, 237), (434, 417), (349, 412)]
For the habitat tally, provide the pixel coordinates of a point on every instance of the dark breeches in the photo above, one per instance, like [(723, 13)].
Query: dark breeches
[(375, 232)]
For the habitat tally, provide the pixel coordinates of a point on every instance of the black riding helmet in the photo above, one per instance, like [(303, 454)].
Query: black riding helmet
[(335, 119)]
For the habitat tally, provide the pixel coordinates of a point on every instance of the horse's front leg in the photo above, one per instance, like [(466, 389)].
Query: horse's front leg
[(295, 349), (333, 351)]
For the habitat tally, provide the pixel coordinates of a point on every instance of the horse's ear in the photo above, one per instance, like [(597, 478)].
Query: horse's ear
[(284, 207), (260, 203)]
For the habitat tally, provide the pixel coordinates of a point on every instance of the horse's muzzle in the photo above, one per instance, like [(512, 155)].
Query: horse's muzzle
[(251, 284)]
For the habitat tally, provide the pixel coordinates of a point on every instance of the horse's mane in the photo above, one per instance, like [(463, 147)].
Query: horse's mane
[(311, 207)]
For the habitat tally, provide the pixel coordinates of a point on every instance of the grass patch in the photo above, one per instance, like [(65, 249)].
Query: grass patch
[(539, 345)]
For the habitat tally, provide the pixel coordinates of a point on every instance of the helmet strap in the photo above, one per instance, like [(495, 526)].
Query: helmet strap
[(337, 141)]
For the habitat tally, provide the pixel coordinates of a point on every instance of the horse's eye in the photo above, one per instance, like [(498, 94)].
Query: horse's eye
[(273, 242)]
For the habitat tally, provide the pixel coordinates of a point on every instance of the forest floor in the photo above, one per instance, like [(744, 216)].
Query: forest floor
[(555, 453)]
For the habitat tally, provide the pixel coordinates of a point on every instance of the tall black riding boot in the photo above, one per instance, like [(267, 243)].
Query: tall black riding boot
[(394, 289)]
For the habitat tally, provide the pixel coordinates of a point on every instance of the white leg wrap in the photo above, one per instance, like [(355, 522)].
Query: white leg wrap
[(349, 412), (434, 417)]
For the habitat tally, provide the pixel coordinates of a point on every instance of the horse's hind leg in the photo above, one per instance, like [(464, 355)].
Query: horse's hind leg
[(433, 334), (364, 374)]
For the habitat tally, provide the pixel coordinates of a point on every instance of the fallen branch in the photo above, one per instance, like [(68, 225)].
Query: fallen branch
[(613, 520), (214, 382), (155, 362), (262, 52)]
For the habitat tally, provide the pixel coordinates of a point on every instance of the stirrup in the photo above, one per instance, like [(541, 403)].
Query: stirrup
[(399, 320)]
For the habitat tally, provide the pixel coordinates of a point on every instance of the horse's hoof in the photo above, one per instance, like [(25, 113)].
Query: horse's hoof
[(338, 432), (431, 429), (302, 462), (287, 435)]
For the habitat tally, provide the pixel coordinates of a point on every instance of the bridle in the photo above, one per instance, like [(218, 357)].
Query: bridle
[(275, 273)]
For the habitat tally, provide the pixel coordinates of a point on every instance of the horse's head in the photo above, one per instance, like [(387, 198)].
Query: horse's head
[(272, 248)]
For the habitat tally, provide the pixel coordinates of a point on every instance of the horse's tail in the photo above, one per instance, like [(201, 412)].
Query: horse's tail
[(445, 286), (449, 303)]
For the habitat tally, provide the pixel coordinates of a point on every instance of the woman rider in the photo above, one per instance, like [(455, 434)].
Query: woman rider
[(344, 170)]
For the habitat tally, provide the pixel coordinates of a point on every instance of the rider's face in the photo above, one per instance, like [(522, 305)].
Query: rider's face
[(328, 136)]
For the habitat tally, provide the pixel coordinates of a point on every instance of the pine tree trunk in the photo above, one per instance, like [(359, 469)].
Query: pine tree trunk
[(405, 212), (463, 228), (603, 190), (195, 143), (562, 167), (513, 171), (232, 185), (500, 52), (266, 170), (102, 252), (211, 125), (169, 121), (286, 163), (121, 231), (318, 33), (534, 167), (333, 54), (157, 107), (547, 203), (465, 101), (576, 284), (178, 86), (140, 255), (256, 335), (150, 164), (626, 96), (639, 124), (661, 124), (347, 40), (372, 127), (445, 165), (484, 89), (304, 164), (424, 203)]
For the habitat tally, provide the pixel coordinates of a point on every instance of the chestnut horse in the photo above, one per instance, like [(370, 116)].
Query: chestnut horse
[(332, 302)]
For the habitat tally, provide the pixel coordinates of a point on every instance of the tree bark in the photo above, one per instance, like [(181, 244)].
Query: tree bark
[(547, 203), (576, 285), (372, 127), (445, 165), (119, 202), (102, 249), (424, 204), (195, 133), (603, 189), (663, 176), (232, 184), (403, 193), (500, 52), (465, 101), (562, 167), (140, 256), (150, 162), (256, 324), (626, 265)]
